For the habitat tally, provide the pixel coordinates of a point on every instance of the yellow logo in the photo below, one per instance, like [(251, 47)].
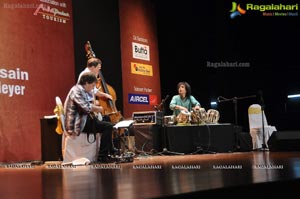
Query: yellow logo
[(141, 69)]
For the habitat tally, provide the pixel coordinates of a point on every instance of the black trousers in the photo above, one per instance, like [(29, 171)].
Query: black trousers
[(93, 125)]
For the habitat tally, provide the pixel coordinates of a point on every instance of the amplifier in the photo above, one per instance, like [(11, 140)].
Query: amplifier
[(147, 117)]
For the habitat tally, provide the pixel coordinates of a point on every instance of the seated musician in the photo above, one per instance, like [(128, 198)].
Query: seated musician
[(183, 101), (77, 107)]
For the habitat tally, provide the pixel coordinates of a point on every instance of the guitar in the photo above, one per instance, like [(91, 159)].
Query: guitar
[(97, 115)]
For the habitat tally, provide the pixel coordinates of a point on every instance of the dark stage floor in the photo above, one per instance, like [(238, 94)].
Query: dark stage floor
[(180, 176)]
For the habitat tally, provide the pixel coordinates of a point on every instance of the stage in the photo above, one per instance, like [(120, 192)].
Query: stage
[(151, 138), (155, 174), (182, 176)]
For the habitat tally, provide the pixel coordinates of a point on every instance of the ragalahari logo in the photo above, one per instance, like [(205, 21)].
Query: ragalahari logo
[(236, 10)]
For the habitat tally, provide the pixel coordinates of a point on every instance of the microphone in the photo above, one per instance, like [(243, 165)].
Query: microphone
[(157, 107), (163, 101), (167, 96), (221, 97)]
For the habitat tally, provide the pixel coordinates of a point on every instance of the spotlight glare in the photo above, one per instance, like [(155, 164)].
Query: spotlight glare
[(294, 96), (213, 103)]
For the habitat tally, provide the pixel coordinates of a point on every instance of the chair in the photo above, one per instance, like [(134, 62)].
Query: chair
[(75, 147), (255, 125)]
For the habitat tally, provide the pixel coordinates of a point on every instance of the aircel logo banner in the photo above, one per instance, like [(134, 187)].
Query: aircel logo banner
[(138, 99)]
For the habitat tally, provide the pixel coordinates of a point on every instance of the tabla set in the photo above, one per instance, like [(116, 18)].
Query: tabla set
[(200, 116)]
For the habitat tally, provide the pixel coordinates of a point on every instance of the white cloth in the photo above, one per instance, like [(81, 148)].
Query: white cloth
[(77, 147), (256, 119), (257, 136), (255, 116)]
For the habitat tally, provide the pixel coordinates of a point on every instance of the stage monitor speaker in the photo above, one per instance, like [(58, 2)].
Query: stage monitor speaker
[(284, 141), (147, 137), (244, 142)]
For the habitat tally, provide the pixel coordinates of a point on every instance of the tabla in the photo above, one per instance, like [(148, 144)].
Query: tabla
[(212, 116), (198, 116), (183, 117), (169, 120)]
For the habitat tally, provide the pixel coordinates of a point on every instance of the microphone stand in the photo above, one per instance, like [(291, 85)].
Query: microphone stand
[(234, 100), (262, 105)]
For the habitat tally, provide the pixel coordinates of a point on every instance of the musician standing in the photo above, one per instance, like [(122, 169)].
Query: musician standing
[(183, 101), (94, 65)]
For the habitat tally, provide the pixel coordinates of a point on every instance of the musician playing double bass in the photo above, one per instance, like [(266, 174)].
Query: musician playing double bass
[(94, 66), (106, 95)]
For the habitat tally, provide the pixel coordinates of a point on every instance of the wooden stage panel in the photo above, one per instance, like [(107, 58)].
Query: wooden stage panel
[(181, 176)]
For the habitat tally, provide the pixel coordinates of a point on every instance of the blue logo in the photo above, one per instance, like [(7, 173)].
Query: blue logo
[(138, 99)]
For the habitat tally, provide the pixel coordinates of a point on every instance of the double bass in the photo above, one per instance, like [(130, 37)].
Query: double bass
[(109, 106)]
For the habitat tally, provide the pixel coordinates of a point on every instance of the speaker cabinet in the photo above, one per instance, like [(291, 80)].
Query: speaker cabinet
[(211, 138), (147, 137), (51, 141), (284, 141), (244, 141)]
